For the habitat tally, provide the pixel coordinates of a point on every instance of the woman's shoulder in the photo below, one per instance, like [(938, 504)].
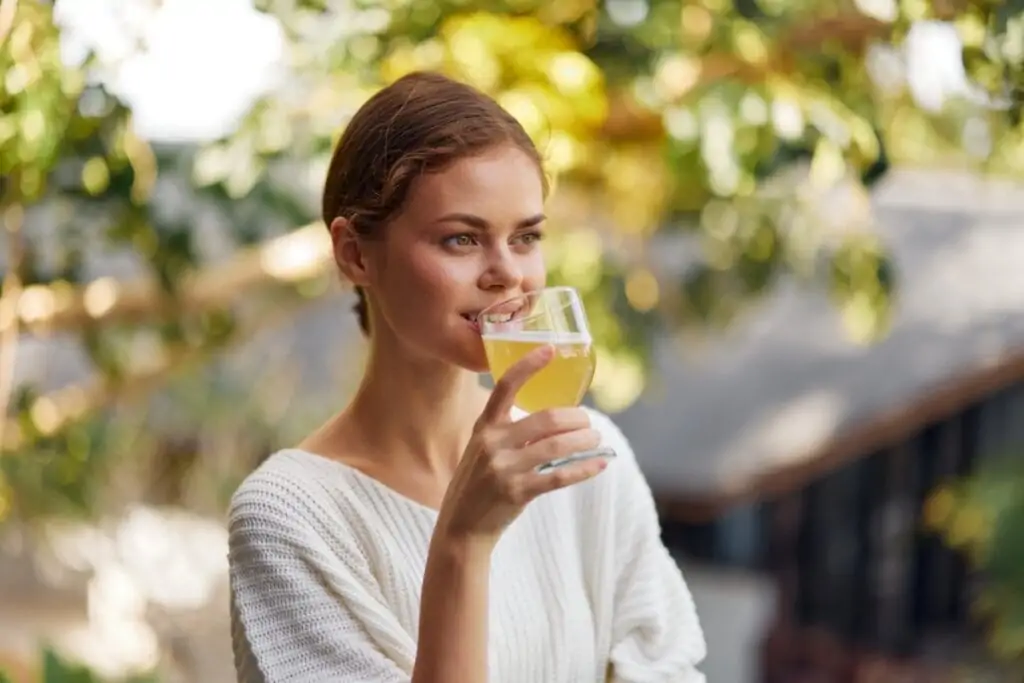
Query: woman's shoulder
[(281, 480), (298, 512), (290, 488)]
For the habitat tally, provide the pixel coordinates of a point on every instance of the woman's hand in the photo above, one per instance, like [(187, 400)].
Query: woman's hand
[(497, 476)]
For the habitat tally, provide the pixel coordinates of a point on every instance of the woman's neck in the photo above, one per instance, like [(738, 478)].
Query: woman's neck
[(417, 409)]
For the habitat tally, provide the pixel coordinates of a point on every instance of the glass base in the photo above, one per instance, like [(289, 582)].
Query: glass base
[(603, 452)]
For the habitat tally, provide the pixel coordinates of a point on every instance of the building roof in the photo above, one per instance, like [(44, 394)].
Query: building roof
[(786, 387)]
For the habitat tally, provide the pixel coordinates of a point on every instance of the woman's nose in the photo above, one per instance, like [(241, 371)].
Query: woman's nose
[(503, 270)]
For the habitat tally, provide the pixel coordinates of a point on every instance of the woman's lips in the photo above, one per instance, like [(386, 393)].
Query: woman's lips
[(499, 318)]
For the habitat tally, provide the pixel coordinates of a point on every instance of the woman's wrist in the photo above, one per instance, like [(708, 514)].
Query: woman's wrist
[(462, 550)]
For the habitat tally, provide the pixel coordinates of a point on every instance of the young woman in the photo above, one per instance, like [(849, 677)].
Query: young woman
[(411, 538)]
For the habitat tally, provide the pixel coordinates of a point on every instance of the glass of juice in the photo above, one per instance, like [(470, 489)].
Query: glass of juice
[(555, 316)]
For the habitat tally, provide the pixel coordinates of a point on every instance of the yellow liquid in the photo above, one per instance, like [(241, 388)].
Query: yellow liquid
[(561, 383)]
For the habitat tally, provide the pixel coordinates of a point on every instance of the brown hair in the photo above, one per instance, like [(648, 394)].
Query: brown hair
[(419, 124)]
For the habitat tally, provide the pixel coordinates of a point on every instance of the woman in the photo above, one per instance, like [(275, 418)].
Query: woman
[(411, 538)]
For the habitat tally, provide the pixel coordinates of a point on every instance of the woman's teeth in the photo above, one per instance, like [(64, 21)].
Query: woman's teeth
[(491, 318)]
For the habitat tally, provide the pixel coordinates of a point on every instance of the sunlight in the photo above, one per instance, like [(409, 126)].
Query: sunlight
[(184, 84)]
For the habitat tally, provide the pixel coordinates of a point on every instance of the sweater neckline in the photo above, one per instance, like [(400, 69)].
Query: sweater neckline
[(371, 481), (376, 484)]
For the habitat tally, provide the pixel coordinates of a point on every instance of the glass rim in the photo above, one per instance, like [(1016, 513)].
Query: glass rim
[(568, 298), (536, 293)]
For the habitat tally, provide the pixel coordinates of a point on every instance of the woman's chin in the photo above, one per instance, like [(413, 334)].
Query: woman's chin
[(472, 359), (475, 364)]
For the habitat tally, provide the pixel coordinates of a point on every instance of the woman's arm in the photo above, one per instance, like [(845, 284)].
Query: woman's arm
[(453, 613), (496, 479)]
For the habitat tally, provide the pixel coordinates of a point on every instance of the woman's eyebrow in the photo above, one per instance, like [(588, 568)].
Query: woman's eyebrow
[(480, 223)]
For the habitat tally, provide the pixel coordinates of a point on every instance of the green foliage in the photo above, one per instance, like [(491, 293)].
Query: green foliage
[(56, 669), (983, 517), (993, 36)]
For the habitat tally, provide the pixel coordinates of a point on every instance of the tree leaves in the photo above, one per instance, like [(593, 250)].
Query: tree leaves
[(983, 517)]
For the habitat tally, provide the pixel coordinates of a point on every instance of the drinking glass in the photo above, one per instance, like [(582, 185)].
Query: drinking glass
[(554, 316)]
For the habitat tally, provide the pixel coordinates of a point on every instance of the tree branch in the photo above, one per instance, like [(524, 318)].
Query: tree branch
[(12, 216), (8, 9), (56, 410), (300, 255)]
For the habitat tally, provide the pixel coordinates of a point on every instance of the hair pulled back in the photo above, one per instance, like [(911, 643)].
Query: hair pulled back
[(419, 124)]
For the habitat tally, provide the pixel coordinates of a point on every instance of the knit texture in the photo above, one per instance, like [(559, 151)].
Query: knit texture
[(327, 566)]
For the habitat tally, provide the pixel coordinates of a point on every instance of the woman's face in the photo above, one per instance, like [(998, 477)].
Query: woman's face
[(468, 237)]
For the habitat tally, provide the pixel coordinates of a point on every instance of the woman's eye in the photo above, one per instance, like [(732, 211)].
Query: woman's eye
[(462, 240), (531, 237)]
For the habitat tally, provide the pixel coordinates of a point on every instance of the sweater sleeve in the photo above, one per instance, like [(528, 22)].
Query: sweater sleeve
[(656, 636), (299, 612)]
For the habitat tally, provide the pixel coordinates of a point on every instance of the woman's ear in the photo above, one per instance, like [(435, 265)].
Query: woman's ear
[(348, 251)]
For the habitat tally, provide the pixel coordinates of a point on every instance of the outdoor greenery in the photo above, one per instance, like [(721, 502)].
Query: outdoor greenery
[(984, 517), (660, 120), (55, 669)]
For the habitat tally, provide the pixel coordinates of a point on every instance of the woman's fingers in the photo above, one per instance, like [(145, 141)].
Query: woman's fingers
[(554, 447), (538, 483), (543, 424)]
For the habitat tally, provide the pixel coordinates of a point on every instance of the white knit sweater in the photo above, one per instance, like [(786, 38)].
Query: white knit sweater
[(327, 566)]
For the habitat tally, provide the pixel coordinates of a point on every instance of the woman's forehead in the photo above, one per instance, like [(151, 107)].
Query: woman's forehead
[(496, 182)]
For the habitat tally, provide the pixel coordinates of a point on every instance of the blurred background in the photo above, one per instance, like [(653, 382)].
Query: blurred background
[(797, 226)]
